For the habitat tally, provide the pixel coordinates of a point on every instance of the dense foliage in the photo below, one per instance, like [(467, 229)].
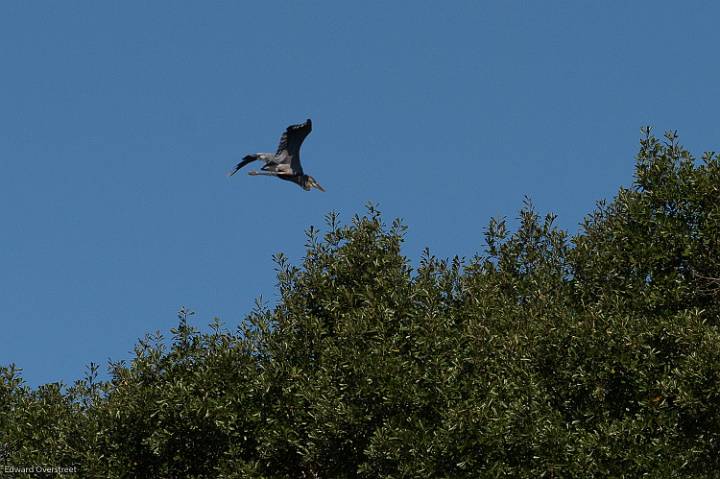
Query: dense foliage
[(596, 355)]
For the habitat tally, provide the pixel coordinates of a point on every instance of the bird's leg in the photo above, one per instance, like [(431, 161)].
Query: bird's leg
[(264, 173)]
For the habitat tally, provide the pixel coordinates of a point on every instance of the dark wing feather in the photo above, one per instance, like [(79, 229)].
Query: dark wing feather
[(247, 159), (293, 138)]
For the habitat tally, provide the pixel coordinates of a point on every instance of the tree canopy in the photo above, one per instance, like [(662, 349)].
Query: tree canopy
[(546, 355)]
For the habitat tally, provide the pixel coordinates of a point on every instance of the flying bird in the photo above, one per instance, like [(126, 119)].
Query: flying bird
[(285, 164)]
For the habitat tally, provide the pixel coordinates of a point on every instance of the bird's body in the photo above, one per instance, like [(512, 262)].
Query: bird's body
[(285, 164)]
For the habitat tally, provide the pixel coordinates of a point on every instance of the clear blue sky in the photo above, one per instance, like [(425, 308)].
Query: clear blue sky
[(119, 121)]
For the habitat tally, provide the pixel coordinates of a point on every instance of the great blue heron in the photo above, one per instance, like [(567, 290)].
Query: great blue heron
[(285, 164)]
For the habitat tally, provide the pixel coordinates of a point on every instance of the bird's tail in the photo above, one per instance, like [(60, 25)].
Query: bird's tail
[(247, 159)]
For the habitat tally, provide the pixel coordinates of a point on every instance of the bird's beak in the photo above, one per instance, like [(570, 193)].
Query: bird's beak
[(317, 185)]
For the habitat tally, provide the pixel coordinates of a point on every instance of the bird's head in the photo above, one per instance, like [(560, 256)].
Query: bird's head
[(310, 183)]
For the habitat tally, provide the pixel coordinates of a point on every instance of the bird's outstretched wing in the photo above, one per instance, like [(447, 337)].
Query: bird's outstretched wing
[(247, 159), (293, 138)]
